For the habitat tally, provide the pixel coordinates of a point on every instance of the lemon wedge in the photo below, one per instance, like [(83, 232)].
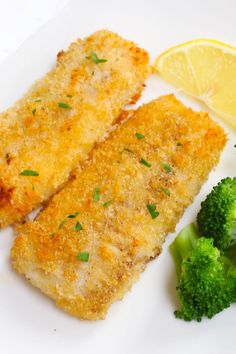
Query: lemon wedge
[(206, 70)]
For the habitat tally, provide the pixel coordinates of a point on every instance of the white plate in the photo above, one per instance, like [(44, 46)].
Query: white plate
[(143, 322)]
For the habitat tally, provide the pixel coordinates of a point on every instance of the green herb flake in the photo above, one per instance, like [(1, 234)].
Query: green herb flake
[(29, 173), (167, 167), (152, 210), (179, 144), (82, 256), (53, 234), (33, 187), (128, 150), (97, 60), (34, 111), (139, 136), (96, 194), (7, 156), (78, 226), (62, 223), (72, 216), (70, 96), (38, 100), (166, 191), (64, 105), (145, 163), (106, 204), (235, 145)]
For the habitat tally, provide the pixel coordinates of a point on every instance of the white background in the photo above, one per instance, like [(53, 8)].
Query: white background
[(20, 18), (143, 323)]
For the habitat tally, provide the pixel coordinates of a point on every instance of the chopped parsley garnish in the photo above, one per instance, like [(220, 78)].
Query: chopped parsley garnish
[(53, 234), (167, 167), (179, 144), (96, 194), (62, 223), (29, 173), (97, 60), (166, 191), (128, 150), (70, 96), (235, 145), (106, 204), (38, 100), (64, 105), (145, 163), (72, 216), (139, 136), (83, 256), (78, 226), (34, 111), (152, 210)]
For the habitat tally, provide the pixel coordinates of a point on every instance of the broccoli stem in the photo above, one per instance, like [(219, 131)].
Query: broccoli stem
[(231, 254), (228, 257), (183, 245)]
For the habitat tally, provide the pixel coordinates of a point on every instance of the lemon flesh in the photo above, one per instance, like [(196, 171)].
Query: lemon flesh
[(205, 69)]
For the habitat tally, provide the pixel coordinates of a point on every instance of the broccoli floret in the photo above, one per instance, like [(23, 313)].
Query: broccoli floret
[(217, 217), (207, 280)]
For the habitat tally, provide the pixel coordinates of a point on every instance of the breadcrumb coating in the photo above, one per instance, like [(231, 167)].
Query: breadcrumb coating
[(55, 125), (126, 208)]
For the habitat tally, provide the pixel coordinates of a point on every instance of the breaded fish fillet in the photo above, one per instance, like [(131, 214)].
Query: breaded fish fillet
[(89, 245), (55, 125)]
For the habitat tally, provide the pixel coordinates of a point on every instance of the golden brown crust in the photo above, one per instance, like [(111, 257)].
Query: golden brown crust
[(122, 237), (37, 134)]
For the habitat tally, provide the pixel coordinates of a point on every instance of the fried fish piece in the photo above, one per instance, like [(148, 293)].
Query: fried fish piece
[(55, 125), (92, 241)]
